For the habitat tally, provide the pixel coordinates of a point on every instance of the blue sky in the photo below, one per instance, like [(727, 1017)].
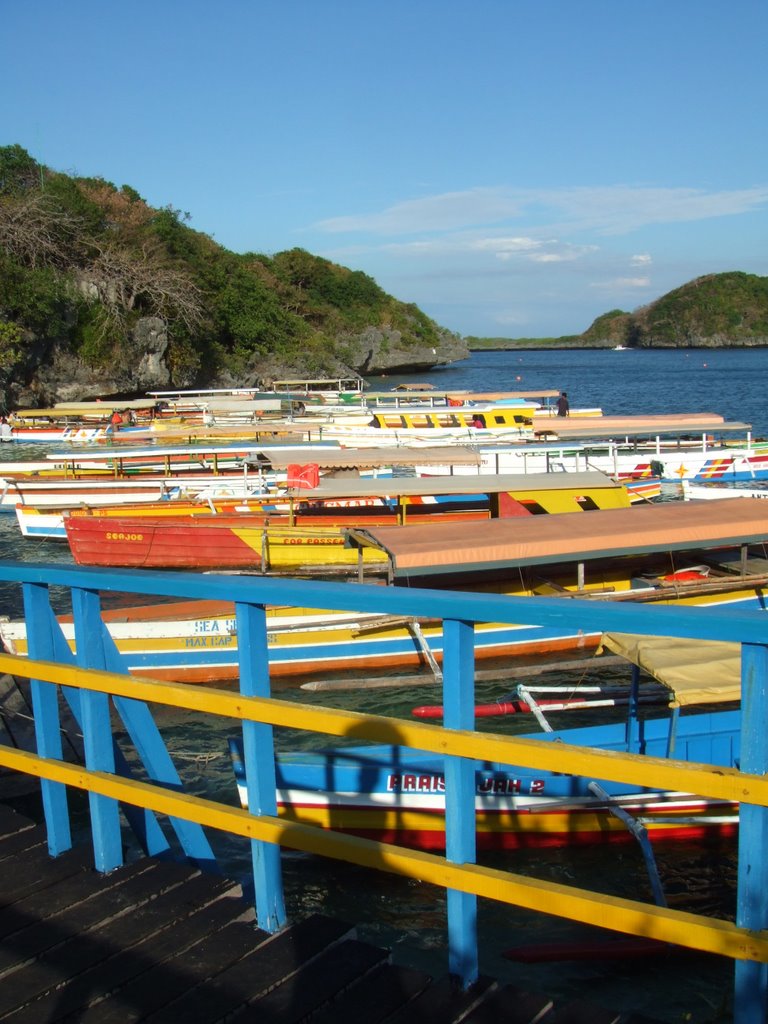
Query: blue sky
[(514, 167)]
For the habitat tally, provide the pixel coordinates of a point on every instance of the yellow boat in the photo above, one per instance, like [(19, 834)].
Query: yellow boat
[(311, 533), (671, 553), (349, 501)]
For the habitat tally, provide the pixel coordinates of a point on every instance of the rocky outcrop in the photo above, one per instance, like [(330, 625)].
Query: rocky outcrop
[(380, 350), (699, 341), (150, 340), (61, 376)]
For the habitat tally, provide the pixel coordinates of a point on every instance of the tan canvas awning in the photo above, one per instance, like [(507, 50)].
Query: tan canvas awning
[(695, 671), (636, 426), (440, 548), (368, 458), (483, 483), (474, 396)]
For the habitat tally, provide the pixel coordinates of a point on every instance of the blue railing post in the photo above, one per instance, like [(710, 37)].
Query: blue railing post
[(97, 730), (45, 708), (155, 758), (751, 978), (158, 763), (259, 762), (460, 840)]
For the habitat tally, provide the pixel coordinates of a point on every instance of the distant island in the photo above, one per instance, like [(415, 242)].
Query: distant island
[(716, 311), (103, 295)]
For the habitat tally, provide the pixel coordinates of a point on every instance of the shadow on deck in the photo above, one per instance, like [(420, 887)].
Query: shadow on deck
[(159, 941)]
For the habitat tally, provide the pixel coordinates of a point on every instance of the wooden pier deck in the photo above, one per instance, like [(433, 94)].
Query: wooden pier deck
[(160, 941)]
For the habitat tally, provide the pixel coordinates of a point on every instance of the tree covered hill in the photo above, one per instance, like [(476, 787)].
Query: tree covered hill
[(101, 293), (715, 311)]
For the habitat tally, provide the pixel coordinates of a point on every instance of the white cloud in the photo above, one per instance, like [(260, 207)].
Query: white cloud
[(545, 252), (449, 211), (564, 253), (502, 247), (622, 283), (611, 209), (505, 247)]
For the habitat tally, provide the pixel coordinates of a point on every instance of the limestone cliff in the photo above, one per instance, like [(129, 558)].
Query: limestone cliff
[(59, 375)]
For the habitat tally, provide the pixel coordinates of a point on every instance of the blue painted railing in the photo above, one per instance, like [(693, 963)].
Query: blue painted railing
[(459, 612)]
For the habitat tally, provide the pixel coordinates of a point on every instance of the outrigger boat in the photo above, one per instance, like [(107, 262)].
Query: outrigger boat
[(159, 461), (704, 554), (644, 451), (207, 472), (78, 423), (267, 473), (397, 795), (654, 437), (94, 422), (44, 520), (306, 532), (715, 491), (60, 493), (406, 397), (334, 389)]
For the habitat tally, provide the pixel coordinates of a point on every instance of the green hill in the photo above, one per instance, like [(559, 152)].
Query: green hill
[(719, 310), (101, 293)]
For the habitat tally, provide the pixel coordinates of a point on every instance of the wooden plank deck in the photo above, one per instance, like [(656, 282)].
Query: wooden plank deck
[(161, 942)]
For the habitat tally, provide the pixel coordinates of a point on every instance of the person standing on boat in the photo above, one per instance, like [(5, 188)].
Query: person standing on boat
[(563, 405)]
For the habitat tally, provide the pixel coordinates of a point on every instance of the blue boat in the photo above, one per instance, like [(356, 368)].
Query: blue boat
[(397, 795)]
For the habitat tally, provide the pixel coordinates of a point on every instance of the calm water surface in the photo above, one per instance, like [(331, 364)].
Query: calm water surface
[(730, 383), (409, 916)]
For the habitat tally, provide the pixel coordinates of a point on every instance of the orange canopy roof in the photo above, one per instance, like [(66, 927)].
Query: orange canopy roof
[(438, 548)]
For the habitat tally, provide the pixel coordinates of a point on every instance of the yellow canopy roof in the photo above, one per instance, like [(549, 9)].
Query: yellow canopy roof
[(695, 671)]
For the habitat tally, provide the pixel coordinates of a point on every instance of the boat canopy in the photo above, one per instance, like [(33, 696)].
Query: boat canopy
[(314, 450), (694, 671), (80, 410), (485, 483), (532, 448), (368, 458), (610, 427), (101, 405), (307, 385), (442, 548), (494, 396), (490, 396)]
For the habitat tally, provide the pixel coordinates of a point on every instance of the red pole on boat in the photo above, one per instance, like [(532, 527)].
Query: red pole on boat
[(498, 707)]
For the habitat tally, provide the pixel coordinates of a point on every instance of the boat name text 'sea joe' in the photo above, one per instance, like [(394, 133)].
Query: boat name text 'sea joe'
[(215, 626)]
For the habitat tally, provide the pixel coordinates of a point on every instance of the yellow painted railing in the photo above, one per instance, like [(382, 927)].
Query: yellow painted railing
[(619, 914)]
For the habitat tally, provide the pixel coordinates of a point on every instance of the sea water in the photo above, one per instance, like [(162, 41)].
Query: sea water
[(728, 382), (409, 916)]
